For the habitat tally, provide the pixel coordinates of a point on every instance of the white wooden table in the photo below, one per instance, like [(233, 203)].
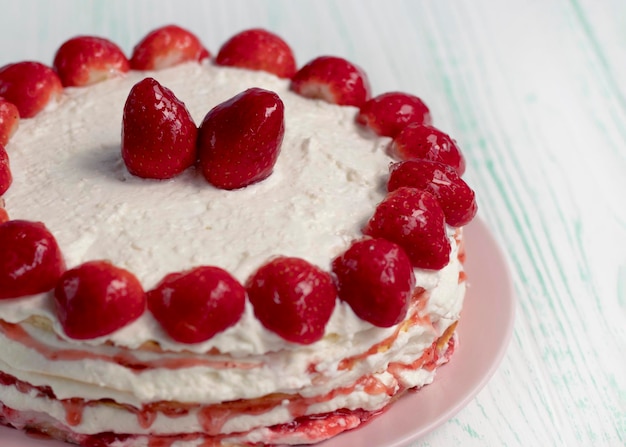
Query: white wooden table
[(535, 92)]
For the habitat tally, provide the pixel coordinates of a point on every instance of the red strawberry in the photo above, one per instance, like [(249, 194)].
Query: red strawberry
[(389, 113), (30, 259), (165, 47), (195, 305), (97, 298), (86, 60), (332, 79), (9, 120), (427, 142), (5, 171), (4, 216), (239, 140), (454, 195), (414, 220), (158, 133), (31, 86), (258, 49), (375, 277), (292, 298)]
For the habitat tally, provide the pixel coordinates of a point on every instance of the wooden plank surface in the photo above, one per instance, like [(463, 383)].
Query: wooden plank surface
[(535, 93)]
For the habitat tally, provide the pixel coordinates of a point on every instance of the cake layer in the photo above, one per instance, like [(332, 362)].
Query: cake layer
[(274, 419)]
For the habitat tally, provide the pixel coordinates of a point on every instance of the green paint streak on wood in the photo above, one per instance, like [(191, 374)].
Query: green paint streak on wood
[(600, 59), (620, 414)]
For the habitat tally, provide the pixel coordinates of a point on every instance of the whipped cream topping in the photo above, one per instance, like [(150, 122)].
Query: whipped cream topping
[(68, 173)]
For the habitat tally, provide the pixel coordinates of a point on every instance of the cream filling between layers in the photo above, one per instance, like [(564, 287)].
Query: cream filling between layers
[(102, 418)]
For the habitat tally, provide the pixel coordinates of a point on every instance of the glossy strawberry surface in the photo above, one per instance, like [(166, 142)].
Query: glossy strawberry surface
[(451, 191), (31, 86), (97, 298), (258, 49), (387, 114), (194, 305), (30, 259), (420, 141), (5, 171), (240, 139), (413, 219), (375, 277), (292, 298), (158, 133), (9, 120), (332, 79), (86, 60), (165, 47)]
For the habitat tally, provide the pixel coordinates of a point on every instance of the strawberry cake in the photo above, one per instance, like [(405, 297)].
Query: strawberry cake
[(203, 249)]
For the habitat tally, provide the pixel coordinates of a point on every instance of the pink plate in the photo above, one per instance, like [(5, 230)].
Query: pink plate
[(482, 344)]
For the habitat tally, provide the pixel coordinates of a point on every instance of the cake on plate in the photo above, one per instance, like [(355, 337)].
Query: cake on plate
[(219, 249)]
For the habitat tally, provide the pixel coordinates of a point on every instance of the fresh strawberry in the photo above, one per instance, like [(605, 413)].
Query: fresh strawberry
[(239, 140), (4, 215), (86, 60), (414, 220), (375, 277), (292, 298), (442, 181), (158, 133), (9, 120), (97, 298), (258, 49), (194, 305), (31, 86), (389, 113), (332, 79), (30, 259), (5, 171), (165, 47), (429, 143)]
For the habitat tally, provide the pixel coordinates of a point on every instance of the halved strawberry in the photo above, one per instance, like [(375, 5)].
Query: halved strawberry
[(332, 79), (375, 277), (442, 181), (194, 305), (239, 140), (31, 86), (422, 141), (258, 49), (97, 298), (86, 60), (389, 113), (292, 298), (158, 133), (165, 47), (30, 259), (414, 220), (9, 120), (5, 171)]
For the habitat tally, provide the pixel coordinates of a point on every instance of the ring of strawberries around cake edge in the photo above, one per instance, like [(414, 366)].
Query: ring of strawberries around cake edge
[(414, 183)]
